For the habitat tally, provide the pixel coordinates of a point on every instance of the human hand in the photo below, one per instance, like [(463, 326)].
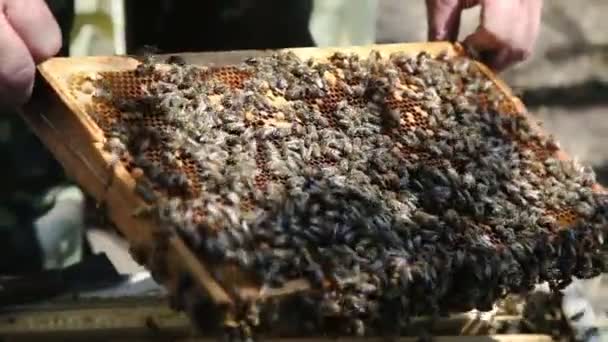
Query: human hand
[(28, 35), (507, 32)]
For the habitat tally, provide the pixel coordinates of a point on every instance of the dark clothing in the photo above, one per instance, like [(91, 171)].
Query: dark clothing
[(28, 172), (215, 25), (63, 10), (220, 25)]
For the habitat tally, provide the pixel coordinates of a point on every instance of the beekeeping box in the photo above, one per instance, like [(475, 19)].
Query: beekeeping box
[(363, 186)]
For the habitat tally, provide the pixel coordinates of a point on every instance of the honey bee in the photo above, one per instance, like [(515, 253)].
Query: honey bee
[(177, 60), (337, 189)]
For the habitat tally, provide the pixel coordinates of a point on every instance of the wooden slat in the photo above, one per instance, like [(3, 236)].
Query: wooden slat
[(130, 319), (489, 338)]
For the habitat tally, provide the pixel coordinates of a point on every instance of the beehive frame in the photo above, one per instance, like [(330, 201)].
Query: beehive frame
[(59, 117)]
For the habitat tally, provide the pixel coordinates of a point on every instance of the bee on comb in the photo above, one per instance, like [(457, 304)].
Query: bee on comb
[(395, 185)]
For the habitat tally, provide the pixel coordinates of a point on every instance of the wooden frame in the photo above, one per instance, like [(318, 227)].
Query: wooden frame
[(146, 319), (59, 118)]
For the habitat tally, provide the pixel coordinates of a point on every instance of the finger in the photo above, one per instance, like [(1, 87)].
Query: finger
[(35, 24), (443, 18), (491, 51), (469, 3), (17, 67), (482, 41), (501, 60), (511, 23)]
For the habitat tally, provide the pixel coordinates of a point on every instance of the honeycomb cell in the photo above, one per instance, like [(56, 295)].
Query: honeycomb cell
[(566, 217), (229, 75)]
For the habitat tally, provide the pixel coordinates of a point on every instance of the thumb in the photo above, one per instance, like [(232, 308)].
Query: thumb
[(443, 19), (482, 41), (488, 49)]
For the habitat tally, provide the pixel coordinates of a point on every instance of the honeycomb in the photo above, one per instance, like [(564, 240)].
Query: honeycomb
[(396, 185)]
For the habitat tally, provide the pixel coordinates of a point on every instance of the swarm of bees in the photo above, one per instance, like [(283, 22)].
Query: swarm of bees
[(397, 185)]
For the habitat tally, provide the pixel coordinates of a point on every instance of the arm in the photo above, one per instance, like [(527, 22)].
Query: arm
[(28, 35), (506, 34)]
